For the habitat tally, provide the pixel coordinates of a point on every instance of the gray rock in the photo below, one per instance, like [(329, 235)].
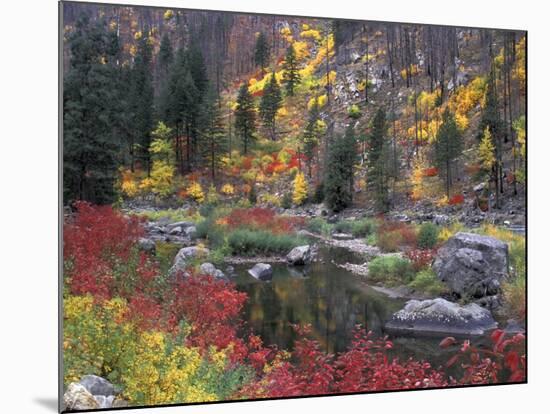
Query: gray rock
[(299, 256), (119, 403), (261, 271), (175, 230), (441, 219), (181, 224), (97, 385), (181, 260), (342, 236), (209, 269), (147, 245), (441, 317), (77, 397), (104, 402), (190, 231), (472, 265)]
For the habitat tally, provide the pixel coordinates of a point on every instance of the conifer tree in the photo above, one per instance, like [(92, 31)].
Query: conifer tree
[(312, 135), (245, 118), (89, 113), (213, 135), (339, 179), (447, 147), (378, 157), (261, 52), (269, 105), (291, 74)]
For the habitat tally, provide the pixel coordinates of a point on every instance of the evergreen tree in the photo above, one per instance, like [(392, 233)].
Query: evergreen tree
[(291, 74), (245, 117), (213, 135), (270, 104), (312, 135), (378, 157), (89, 114), (447, 147), (141, 98), (338, 186), (261, 52), (166, 54)]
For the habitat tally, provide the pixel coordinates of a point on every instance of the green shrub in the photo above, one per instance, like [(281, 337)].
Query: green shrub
[(252, 196), (250, 242), (427, 282), (389, 241), (319, 225), (286, 202), (392, 270), (208, 230), (354, 112), (427, 235)]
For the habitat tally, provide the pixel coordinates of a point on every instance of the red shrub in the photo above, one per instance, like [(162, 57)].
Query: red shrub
[(247, 163), (456, 199), (430, 172), (275, 166), (393, 234), (258, 93), (263, 218), (421, 258)]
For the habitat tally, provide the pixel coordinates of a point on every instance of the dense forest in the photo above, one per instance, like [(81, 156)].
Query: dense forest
[(196, 141)]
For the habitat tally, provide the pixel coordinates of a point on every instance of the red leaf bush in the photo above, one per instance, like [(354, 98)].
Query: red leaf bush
[(264, 219), (421, 258)]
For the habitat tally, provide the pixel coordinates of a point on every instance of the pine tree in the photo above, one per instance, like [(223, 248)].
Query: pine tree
[(269, 105), (378, 158), (338, 186), (261, 53), (447, 147), (312, 135), (291, 74), (165, 59), (213, 135), (90, 109), (141, 98), (245, 118)]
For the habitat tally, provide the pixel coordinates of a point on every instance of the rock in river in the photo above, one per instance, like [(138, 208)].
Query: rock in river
[(299, 256), (441, 317), (261, 271), (471, 265), (210, 269)]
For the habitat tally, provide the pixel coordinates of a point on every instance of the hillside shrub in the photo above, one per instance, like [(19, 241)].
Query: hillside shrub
[(427, 235), (391, 270)]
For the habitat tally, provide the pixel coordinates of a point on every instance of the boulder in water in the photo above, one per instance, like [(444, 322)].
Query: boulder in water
[(261, 271), (299, 256), (77, 397)]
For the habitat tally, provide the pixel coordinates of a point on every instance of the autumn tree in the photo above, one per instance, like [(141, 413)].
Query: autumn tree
[(299, 193), (245, 118), (163, 160), (261, 51), (291, 74), (269, 105), (447, 147)]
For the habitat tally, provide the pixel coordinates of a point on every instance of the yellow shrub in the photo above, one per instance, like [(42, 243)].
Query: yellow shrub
[(162, 175), (195, 192), (301, 49), (311, 34), (321, 101), (130, 188), (227, 189)]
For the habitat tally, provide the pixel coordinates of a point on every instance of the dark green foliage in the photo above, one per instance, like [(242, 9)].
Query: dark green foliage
[(339, 176), (291, 74), (245, 118), (214, 141), (358, 228), (378, 160), (286, 201), (269, 105), (165, 56), (447, 147), (319, 194), (392, 270), (252, 196), (208, 230), (141, 98), (427, 235), (90, 115), (252, 242), (312, 136), (261, 52)]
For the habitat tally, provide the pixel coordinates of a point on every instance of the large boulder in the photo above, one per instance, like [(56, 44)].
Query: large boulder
[(97, 385), (147, 245), (210, 269), (441, 317), (181, 261), (299, 256), (77, 397), (471, 265), (261, 271)]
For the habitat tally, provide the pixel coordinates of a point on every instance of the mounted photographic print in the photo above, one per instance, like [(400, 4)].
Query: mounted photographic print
[(266, 206)]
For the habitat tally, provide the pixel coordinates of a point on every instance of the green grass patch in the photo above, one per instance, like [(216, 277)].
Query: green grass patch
[(391, 270), (247, 242), (427, 282)]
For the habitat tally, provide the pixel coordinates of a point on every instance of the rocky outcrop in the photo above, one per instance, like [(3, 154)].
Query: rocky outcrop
[(147, 245), (97, 385), (181, 261), (210, 269), (441, 317), (299, 256), (261, 271), (77, 397), (471, 265)]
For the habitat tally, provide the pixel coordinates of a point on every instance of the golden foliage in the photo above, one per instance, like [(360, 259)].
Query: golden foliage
[(299, 194)]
